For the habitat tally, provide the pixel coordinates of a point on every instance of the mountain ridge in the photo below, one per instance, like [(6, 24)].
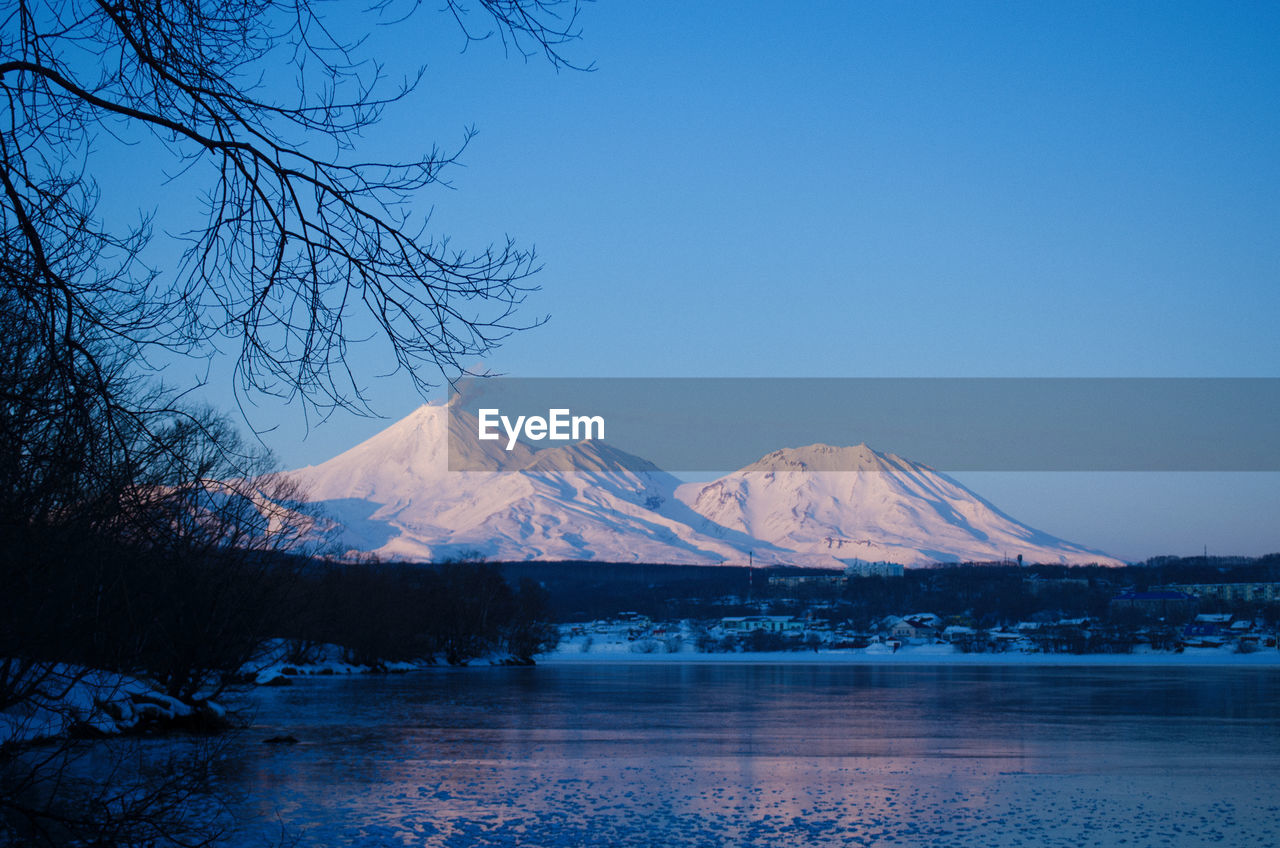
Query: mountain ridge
[(393, 495)]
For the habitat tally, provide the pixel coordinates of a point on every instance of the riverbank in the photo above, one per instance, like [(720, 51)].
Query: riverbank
[(62, 701), (572, 654)]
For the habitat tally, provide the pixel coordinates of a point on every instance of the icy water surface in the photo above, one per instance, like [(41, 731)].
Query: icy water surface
[(768, 755)]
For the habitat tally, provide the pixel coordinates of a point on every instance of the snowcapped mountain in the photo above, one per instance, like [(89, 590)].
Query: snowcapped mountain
[(885, 509), (393, 495)]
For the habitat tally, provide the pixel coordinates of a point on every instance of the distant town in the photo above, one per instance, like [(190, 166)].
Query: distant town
[(1173, 605)]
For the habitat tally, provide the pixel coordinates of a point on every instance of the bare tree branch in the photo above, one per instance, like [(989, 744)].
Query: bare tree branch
[(294, 244)]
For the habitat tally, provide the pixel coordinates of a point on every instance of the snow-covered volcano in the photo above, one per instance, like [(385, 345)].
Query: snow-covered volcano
[(393, 495), (886, 509)]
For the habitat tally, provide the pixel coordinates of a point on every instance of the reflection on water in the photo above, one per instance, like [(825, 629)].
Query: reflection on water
[(778, 755)]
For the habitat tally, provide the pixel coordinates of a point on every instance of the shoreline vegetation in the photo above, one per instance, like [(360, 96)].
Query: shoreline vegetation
[(326, 618)]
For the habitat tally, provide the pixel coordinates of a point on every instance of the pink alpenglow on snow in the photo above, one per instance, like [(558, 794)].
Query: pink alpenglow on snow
[(394, 495)]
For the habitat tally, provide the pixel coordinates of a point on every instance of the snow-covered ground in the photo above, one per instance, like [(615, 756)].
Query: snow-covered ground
[(927, 654), (69, 700), (625, 642), (275, 665), (278, 663)]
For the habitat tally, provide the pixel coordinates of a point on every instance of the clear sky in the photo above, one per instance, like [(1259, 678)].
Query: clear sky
[(878, 189)]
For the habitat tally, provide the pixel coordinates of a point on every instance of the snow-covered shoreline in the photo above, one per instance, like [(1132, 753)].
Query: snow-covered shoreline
[(67, 700), (924, 655)]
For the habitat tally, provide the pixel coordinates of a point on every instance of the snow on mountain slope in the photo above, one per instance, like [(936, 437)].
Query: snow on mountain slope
[(886, 509), (393, 495)]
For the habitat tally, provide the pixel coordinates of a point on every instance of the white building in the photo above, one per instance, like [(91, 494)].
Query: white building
[(767, 623)]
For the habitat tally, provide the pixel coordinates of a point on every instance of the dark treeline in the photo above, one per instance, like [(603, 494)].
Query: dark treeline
[(982, 594), (135, 532), (188, 623), (1159, 571), (579, 591), (197, 624), (455, 610)]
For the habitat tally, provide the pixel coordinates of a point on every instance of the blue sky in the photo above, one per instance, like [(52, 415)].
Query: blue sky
[(888, 189)]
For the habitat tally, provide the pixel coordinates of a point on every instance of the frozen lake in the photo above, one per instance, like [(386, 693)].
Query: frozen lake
[(769, 755)]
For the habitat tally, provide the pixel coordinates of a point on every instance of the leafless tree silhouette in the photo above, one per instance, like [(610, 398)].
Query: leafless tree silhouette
[(299, 235), (130, 544), (137, 533)]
